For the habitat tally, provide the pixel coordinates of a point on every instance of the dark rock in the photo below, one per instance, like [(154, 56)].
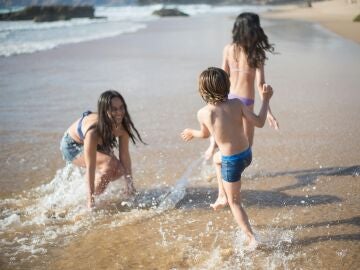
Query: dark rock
[(357, 18), (166, 12), (49, 13)]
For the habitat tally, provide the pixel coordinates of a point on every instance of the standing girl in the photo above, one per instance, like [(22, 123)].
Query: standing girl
[(89, 142), (243, 61)]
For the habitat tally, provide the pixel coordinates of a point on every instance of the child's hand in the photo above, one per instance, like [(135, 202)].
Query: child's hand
[(129, 188), (272, 121), (267, 92), (91, 202), (187, 135)]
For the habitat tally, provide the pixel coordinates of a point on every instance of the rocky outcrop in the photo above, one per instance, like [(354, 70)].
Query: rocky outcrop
[(167, 12), (49, 13), (223, 2)]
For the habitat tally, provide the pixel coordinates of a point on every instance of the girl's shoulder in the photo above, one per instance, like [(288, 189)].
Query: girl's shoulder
[(120, 132), (228, 47), (90, 122), (91, 119)]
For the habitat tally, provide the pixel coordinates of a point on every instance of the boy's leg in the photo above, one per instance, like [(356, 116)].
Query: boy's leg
[(232, 191), (221, 201)]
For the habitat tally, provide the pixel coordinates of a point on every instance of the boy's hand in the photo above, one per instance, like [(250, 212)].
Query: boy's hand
[(187, 135), (267, 92)]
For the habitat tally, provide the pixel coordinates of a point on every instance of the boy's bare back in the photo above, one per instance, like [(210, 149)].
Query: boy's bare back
[(224, 122), (223, 118)]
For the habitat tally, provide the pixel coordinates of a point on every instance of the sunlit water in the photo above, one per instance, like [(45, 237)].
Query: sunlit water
[(175, 218)]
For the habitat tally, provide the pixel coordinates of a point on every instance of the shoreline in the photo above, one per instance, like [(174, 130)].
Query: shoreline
[(335, 15)]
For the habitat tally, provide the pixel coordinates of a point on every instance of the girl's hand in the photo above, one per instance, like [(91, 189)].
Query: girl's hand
[(91, 202), (266, 92), (187, 135), (130, 189), (272, 121)]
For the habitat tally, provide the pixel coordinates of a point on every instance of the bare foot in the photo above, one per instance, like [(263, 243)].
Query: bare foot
[(219, 203), (252, 243)]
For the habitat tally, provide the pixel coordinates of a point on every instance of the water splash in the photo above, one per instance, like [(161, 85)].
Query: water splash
[(177, 193), (48, 214)]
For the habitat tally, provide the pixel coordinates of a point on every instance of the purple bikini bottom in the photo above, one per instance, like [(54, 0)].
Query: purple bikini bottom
[(245, 101)]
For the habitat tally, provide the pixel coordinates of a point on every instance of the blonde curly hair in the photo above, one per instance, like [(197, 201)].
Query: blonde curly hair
[(214, 85)]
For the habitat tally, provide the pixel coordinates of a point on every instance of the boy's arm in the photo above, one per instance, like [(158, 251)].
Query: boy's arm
[(189, 133), (259, 120)]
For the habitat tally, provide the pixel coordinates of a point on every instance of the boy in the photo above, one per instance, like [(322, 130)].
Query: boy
[(222, 118)]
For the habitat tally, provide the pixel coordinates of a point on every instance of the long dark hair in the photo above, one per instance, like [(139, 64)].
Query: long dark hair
[(249, 35), (104, 125)]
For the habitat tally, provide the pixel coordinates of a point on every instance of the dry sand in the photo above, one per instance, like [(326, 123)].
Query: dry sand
[(336, 15)]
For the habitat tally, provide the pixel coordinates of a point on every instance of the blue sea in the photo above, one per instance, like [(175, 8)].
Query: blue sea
[(18, 37)]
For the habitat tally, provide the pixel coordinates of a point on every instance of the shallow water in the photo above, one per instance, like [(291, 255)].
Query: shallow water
[(173, 227), (301, 192)]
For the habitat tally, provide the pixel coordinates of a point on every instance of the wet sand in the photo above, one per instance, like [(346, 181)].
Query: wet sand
[(301, 191), (335, 15)]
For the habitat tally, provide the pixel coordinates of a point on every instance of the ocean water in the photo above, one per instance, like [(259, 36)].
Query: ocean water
[(28, 37)]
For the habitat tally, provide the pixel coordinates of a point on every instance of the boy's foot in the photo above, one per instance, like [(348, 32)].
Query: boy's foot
[(219, 203)]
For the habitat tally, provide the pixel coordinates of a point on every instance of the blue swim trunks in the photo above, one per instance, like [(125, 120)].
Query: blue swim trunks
[(70, 149), (233, 166)]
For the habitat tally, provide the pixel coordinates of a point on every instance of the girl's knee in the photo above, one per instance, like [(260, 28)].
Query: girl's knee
[(113, 169)]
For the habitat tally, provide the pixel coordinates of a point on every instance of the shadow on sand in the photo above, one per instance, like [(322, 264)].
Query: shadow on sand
[(308, 177), (201, 197), (324, 238), (348, 221)]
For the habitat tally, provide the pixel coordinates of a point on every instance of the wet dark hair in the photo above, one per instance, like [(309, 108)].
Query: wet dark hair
[(104, 125), (249, 35), (214, 85)]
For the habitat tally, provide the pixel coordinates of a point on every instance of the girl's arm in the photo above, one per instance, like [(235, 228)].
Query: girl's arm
[(260, 78), (90, 144), (272, 120), (259, 120), (225, 61), (125, 159), (260, 81), (124, 154)]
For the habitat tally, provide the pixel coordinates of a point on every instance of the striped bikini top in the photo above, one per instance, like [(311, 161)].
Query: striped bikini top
[(79, 130)]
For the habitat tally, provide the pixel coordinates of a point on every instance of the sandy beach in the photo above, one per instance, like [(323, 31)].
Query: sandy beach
[(301, 191), (335, 15)]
